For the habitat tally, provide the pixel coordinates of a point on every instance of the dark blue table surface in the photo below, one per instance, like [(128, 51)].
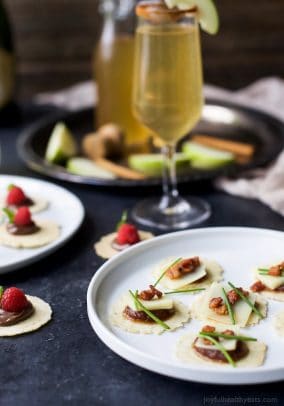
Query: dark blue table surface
[(65, 362)]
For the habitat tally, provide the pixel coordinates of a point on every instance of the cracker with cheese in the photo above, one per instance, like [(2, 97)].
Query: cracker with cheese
[(185, 273), (212, 306), (148, 312), (224, 348), (270, 281)]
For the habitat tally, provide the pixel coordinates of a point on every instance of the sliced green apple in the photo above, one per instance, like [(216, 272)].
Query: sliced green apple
[(61, 144), (152, 164), (207, 12), (205, 157), (86, 167)]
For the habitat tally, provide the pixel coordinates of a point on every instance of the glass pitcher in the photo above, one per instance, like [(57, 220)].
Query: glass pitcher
[(113, 71)]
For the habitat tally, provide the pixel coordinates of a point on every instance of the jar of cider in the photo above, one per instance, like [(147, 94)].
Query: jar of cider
[(113, 71)]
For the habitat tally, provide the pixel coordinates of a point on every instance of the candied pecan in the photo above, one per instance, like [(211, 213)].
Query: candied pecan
[(228, 332), (232, 296), (257, 287), (215, 302), (208, 329), (276, 270), (222, 310), (183, 267), (149, 294)]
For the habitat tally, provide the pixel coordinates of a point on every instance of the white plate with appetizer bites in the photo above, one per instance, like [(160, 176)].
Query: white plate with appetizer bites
[(38, 218), (214, 312)]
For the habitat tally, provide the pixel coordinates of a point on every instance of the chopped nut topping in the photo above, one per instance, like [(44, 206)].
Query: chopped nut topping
[(217, 304), (232, 296), (276, 270), (183, 267), (257, 287), (228, 332), (207, 329), (150, 293)]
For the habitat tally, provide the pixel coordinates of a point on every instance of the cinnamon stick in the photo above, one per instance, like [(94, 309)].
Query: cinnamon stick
[(239, 148)]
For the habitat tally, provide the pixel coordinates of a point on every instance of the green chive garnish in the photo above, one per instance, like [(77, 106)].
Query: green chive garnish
[(122, 220), (184, 291), (228, 337), (9, 214), (148, 312), (229, 307), (263, 270), (164, 272), (245, 299), (1, 291), (136, 295), (220, 348)]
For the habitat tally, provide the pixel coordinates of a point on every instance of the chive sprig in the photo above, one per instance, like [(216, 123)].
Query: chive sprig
[(140, 306), (219, 347), (165, 270), (245, 299)]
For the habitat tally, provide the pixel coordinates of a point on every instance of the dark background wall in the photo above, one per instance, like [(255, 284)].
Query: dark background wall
[(54, 41)]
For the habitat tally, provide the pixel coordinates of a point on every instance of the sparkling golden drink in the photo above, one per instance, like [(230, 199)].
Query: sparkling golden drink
[(168, 79), (114, 75)]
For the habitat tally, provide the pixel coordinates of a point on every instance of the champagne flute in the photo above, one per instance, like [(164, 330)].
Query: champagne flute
[(167, 98)]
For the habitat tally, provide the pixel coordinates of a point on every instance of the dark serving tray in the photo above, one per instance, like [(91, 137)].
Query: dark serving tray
[(221, 119)]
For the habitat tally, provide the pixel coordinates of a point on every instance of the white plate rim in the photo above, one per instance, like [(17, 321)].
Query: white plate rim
[(48, 249), (146, 361)]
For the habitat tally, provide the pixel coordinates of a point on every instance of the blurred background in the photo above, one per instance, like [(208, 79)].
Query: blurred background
[(54, 40)]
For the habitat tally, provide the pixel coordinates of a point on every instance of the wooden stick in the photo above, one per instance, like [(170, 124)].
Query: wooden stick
[(119, 170), (236, 147)]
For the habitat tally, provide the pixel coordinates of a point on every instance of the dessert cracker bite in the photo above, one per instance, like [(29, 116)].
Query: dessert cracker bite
[(229, 305), (22, 231), (148, 312), (221, 347), (270, 281), (125, 236), (20, 313), (189, 272), (16, 197)]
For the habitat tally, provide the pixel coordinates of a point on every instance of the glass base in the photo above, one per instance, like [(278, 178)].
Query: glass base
[(184, 213)]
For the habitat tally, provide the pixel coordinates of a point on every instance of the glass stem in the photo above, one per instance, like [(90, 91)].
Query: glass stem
[(170, 192)]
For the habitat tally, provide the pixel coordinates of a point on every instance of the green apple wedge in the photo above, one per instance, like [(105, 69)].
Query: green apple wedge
[(61, 144), (152, 164), (207, 12), (202, 157), (86, 167)]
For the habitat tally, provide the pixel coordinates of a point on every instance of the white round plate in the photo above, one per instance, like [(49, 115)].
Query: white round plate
[(64, 208), (238, 250)]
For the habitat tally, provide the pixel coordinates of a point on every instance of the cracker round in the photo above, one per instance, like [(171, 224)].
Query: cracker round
[(40, 317), (186, 354), (40, 204), (278, 323), (49, 231), (196, 310), (270, 294), (117, 318), (104, 249), (213, 269)]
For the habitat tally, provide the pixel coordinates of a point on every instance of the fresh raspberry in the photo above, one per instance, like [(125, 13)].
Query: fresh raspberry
[(127, 234), (15, 196), (13, 300), (23, 216)]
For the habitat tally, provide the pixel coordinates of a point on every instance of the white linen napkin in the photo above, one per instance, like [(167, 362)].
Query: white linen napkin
[(266, 185)]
